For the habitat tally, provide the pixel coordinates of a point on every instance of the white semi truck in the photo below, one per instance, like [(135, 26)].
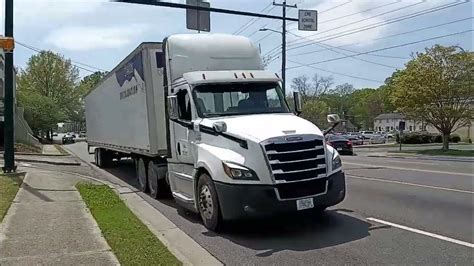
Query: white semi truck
[(205, 123)]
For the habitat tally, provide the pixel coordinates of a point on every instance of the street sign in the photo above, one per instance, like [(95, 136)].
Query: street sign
[(198, 19), (308, 20), (401, 125)]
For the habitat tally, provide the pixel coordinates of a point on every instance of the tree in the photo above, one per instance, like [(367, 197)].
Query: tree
[(342, 95), (436, 87), (315, 111), (85, 86), (47, 90), (314, 89)]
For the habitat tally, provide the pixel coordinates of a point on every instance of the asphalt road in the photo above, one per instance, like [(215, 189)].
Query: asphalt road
[(396, 211)]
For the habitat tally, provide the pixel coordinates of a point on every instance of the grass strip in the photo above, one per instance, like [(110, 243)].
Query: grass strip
[(61, 149), (9, 185), (130, 240), (439, 152)]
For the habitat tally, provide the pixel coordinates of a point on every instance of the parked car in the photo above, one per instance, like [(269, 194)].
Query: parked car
[(366, 134), (68, 139), (378, 139), (341, 144), (356, 140)]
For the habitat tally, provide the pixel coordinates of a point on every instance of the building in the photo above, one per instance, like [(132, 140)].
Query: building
[(390, 121)]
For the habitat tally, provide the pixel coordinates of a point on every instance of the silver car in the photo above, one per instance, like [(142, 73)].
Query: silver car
[(377, 139)]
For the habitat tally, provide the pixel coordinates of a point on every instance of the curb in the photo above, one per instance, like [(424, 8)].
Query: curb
[(425, 158), (182, 246), (40, 154), (47, 162)]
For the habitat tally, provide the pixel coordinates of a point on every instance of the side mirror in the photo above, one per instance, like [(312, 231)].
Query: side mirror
[(298, 102), (173, 111), (220, 127), (333, 118)]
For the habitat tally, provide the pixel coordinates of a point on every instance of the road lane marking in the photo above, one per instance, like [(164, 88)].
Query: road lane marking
[(445, 238), (391, 160), (412, 169), (410, 184)]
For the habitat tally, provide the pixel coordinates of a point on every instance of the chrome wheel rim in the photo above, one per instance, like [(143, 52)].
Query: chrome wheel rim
[(205, 202)]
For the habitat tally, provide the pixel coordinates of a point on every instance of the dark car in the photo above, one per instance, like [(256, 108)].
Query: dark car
[(341, 144), (68, 139), (356, 140)]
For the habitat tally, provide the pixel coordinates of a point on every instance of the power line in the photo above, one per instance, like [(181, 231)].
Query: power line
[(333, 72), (388, 36), (365, 19), (76, 62), (251, 21), (332, 48), (375, 25), (385, 48)]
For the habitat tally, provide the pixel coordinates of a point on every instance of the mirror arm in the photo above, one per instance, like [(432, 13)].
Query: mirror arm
[(326, 131)]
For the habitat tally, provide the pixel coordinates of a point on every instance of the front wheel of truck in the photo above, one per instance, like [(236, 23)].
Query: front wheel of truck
[(208, 203)]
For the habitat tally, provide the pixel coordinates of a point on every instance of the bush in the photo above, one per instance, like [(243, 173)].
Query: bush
[(454, 138), (425, 137)]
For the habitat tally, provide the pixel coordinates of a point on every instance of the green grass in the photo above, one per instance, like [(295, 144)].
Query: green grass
[(466, 153), (9, 185), (61, 149), (22, 147), (130, 240)]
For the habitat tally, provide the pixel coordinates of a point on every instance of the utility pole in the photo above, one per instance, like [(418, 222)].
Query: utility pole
[(283, 43), (9, 155)]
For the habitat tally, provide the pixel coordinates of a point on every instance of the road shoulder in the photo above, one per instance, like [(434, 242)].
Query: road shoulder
[(179, 243)]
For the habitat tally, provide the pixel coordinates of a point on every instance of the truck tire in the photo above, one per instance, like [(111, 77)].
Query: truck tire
[(102, 158), (208, 203), (157, 184), (142, 174)]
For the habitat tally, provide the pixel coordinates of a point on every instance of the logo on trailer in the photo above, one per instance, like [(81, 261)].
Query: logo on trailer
[(127, 72)]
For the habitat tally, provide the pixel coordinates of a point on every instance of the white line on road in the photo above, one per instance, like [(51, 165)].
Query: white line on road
[(410, 184), (411, 169), (445, 238)]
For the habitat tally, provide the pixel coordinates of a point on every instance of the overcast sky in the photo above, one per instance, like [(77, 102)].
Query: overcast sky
[(101, 33)]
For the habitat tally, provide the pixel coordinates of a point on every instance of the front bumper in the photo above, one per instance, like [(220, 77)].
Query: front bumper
[(241, 201)]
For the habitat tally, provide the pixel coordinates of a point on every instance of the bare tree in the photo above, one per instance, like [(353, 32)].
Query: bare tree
[(321, 85), (303, 86), (311, 89)]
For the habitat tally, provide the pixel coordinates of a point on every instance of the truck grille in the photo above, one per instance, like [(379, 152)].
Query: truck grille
[(296, 157)]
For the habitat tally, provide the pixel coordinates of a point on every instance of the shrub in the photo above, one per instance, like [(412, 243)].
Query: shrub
[(454, 138), (424, 137)]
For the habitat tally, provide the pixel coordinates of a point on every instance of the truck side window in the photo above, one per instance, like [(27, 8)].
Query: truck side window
[(184, 104)]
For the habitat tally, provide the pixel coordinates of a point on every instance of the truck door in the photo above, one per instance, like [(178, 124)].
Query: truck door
[(182, 166)]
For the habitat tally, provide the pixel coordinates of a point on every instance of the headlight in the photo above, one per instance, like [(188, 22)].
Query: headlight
[(239, 172), (336, 162)]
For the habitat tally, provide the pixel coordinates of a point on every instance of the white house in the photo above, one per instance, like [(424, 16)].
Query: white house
[(389, 122)]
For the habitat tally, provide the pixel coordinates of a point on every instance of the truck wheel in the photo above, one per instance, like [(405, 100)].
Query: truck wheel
[(157, 184), (208, 203), (142, 174)]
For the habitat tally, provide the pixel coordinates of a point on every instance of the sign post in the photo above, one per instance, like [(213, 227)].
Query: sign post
[(401, 127), (308, 20)]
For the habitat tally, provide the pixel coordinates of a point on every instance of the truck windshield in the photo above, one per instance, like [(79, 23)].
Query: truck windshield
[(239, 99)]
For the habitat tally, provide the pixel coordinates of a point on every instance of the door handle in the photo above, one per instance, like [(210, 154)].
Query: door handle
[(179, 149)]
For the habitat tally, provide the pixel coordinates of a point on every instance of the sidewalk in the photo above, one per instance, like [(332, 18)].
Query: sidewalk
[(49, 149), (49, 224), (402, 155)]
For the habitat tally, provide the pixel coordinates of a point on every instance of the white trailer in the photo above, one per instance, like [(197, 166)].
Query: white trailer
[(204, 121)]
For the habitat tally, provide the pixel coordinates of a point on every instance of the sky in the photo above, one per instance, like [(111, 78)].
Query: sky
[(98, 34)]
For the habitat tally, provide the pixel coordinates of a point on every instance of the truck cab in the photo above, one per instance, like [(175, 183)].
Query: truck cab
[(235, 148)]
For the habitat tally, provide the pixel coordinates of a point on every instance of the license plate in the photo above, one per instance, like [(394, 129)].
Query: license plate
[(339, 149), (303, 204)]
